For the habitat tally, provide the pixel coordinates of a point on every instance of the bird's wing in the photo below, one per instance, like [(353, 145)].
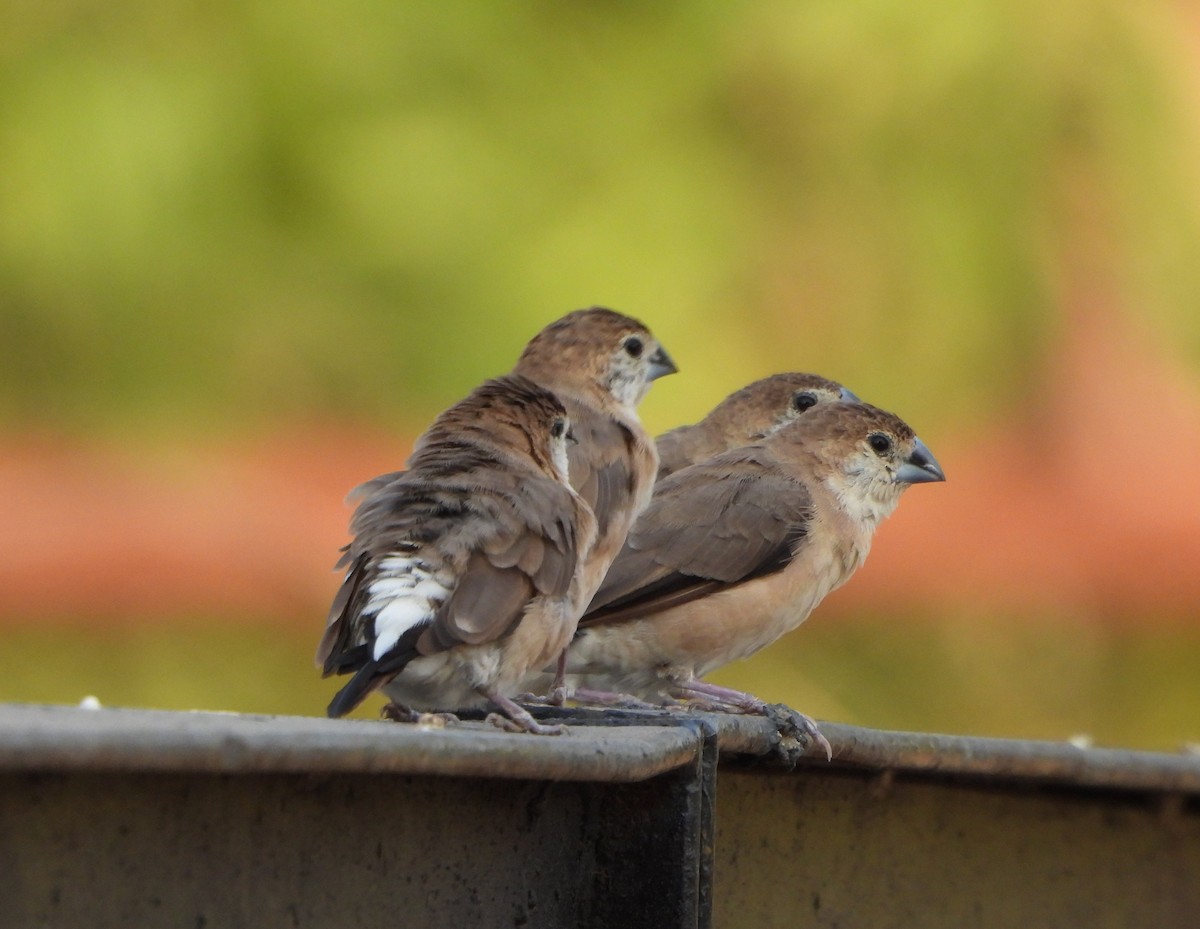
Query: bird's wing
[(510, 538), (602, 464), (709, 527)]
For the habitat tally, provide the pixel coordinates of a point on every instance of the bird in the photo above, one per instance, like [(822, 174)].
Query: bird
[(735, 551), (744, 416), (600, 364), (463, 571)]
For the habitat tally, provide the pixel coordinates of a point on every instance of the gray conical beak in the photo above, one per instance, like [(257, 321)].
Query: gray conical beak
[(849, 396), (661, 364), (920, 467)]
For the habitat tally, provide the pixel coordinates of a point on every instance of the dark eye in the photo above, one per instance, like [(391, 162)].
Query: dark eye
[(805, 400), (558, 428), (633, 347), (880, 442)]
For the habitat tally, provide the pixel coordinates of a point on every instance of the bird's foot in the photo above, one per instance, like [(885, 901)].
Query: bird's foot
[(437, 720), (398, 713), (797, 732), (556, 697), (795, 725), (516, 718)]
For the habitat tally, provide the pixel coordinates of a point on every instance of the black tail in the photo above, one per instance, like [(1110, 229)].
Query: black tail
[(366, 679), (374, 673)]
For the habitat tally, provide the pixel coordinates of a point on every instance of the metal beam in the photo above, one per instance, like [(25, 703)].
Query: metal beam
[(149, 817)]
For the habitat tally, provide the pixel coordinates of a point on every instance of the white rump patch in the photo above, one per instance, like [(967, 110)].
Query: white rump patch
[(404, 594)]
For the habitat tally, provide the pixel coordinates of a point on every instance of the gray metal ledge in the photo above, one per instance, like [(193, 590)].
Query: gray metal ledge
[(138, 817), (66, 738), (638, 746), (1014, 760)]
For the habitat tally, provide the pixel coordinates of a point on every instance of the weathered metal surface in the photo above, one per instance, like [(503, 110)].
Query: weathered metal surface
[(170, 849), (113, 833), (60, 738), (1013, 759), (125, 817), (842, 849), (603, 746)]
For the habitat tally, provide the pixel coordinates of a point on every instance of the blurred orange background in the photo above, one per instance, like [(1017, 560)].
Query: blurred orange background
[(239, 276)]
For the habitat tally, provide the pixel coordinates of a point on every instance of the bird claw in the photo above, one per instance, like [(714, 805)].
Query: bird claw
[(398, 713), (529, 725), (556, 697), (437, 720), (795, 726), (517, 719)]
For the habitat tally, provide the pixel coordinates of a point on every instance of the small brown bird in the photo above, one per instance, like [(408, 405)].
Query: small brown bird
[(745, 416), (464, 569), (600, 364), (736, 551)]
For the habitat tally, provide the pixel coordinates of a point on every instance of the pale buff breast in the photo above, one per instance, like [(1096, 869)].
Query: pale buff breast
[(638, 656)]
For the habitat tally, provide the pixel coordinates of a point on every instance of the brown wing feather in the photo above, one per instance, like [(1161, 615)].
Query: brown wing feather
[(530, 548), (338, 630), (600, 463), (483, 607), (679, 448), (711, 526)]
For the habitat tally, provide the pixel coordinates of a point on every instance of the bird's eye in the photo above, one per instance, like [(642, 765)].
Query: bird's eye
[(805, 400), (558, 429), (633, 347), (880, 443)]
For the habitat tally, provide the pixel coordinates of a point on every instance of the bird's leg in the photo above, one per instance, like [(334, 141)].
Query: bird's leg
[(398, 713), (558, 689), (516, 718), (716, 695), (789, 721), (558, 692)]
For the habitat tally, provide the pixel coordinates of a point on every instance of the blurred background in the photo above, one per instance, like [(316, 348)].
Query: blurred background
[(247, 251)]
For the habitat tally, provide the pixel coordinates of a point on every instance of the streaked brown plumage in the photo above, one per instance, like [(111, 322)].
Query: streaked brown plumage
[(736, 551), (464, 569), (745, 416), (600, 364)]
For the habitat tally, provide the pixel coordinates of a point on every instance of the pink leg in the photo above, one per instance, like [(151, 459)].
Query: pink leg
[(558, 692), (724, 696), (516, 718), (558, 689)]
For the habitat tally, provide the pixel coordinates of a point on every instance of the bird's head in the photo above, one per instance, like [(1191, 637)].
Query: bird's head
[(597, 349), (867, 456)]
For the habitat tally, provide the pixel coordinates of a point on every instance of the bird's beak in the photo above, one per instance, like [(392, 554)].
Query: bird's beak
[(920, 467), (849, 396), (661, 364)]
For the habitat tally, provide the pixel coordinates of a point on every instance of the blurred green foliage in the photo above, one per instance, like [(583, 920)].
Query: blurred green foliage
[(218, 216), (1132, 686), (215, 215)]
